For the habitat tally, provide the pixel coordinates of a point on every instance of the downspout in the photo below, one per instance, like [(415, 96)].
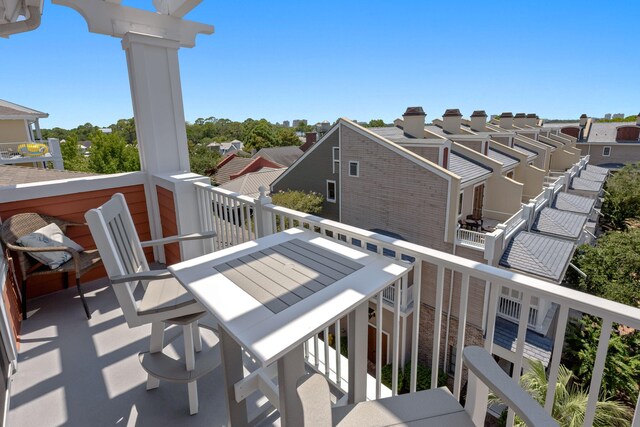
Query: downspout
[(22, 26)]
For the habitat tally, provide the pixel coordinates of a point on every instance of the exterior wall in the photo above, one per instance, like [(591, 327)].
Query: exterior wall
[(312, 173), (502, 198), (473, 145), (387, 182), (620, 152), (543, 159), (72, 207), (532, 179), (11, 301), (169, 224), (13, 131), (430, 153), (561, 160), (502, 139), (573, 131)]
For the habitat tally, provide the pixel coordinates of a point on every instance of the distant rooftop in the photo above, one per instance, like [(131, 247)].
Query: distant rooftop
[(11, 111), (559, 223), (15, 175), (249, 184), (573, 203), (284, 156), (506, 160), (466, 168)]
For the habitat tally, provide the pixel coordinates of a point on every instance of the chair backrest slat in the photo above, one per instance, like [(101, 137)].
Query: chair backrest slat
[(113, 231)]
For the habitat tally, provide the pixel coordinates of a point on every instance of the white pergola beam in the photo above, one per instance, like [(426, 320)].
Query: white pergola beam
[(177, 8), (113, 19)]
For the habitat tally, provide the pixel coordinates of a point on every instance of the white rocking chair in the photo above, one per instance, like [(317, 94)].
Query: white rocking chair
[(165, 301), (428, 408)]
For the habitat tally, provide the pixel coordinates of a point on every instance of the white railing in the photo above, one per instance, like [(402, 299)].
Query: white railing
[(31, 152), (510, 308), (269, 218), (470, 238), (513, 224)]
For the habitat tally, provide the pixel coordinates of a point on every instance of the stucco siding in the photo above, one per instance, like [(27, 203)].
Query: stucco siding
[(620, 153), (13, 131)]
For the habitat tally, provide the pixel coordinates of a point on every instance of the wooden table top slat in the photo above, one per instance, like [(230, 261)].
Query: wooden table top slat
[(318, 255), (352, 265), (308, 262), (308, 272), (261, 295), (280, 276), (272, 261)]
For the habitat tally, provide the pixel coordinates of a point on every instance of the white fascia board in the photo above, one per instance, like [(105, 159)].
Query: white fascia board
[(398, 149), (38, 190), (476, 181), (306, 153)]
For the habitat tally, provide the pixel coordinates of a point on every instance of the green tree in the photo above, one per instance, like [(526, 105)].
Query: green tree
[(622, 366), (310, 203), (622, 198), (286, 137), (71, 156), (202, 160), (377, 123), (111, 154), (126, 128), (612, 267), (259, 135), (570, 402)]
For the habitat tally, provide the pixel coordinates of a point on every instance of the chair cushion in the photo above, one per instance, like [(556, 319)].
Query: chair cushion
[(435, 407), (49, 236), (164, 295)]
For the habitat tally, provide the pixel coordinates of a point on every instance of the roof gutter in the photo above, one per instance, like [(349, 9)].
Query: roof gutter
[(29, 24)]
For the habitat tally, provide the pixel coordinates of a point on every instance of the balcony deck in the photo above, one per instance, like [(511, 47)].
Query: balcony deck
[(78, 372)]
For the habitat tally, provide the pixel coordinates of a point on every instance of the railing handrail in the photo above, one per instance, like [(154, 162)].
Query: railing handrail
[(237, 196)]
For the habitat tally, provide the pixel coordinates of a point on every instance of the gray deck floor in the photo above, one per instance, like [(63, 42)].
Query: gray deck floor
[(78, 372)]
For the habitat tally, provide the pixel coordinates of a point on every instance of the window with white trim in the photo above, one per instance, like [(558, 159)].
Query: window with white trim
[(354, 169), (331, 191), (336, 159), (606, 151)]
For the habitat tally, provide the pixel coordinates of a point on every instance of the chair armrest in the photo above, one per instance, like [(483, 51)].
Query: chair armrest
[(482, 365), (173, 239), (142, 275)]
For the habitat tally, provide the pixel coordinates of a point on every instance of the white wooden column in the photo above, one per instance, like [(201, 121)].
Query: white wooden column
[(156, 93)]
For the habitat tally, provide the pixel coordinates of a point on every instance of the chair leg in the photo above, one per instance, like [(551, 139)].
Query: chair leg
[(84, 302), (65, 277), (190, 358), (197, 339), (24, 300), (155, 346)]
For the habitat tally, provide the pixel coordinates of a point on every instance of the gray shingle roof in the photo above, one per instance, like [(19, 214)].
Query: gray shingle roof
[(539, 255), (232, 167), (559, 223), (14, 175), (536, 346), (530, 154), (597, 169), (249, 184), (466, 168), (604, 132), (573, 203), (578, 183), (391, 133), (593, 176), (506, 160), (284, 156), (10, 110)]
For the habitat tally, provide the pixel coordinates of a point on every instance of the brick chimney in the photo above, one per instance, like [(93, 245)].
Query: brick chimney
[(479, 121), (414, 122), (506, 120), (583, 120), (451, 121), (311, 137), (532, 119), (520, 120)]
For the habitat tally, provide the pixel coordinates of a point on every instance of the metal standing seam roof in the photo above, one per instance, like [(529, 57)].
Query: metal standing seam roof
[(530, 154), (573, 203), (578, 183), (506, 160), (249, 184), (591, 176), (538, 255), (536, 346), (467, 169), (284, 156), (559, 223)]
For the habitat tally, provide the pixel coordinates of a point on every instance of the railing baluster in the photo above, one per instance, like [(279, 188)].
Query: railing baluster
[(417, 288), (598, 370), (316, 351), (379, 314), (327, 359), (561, 328), (437, 327), (462, 323), (522, 332), (396, 341), (336, 343)]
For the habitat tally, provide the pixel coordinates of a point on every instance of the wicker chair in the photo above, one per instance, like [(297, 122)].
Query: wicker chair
[(21, 225)]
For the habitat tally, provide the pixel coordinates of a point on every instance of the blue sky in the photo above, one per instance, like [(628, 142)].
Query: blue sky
[(283, 60)]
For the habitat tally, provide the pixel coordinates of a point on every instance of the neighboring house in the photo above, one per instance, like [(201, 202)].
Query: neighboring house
[(249, 184), (21, 140), (14, 175), (610, 144), (226, 148), (233, 166), (284, 156), (450, 177)]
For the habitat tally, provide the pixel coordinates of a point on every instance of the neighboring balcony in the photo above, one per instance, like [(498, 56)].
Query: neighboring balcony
[(39, 153), (65, 360)]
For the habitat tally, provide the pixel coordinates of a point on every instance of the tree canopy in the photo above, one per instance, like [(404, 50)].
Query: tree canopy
[(310, 203), (622, 198), (111, 154)]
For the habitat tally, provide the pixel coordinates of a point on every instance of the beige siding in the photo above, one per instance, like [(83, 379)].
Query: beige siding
[(392, 193), (312, 173), (13, 131), (620, 153)]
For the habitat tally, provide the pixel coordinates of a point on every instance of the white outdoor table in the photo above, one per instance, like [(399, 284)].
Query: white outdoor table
[(272, 294)]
